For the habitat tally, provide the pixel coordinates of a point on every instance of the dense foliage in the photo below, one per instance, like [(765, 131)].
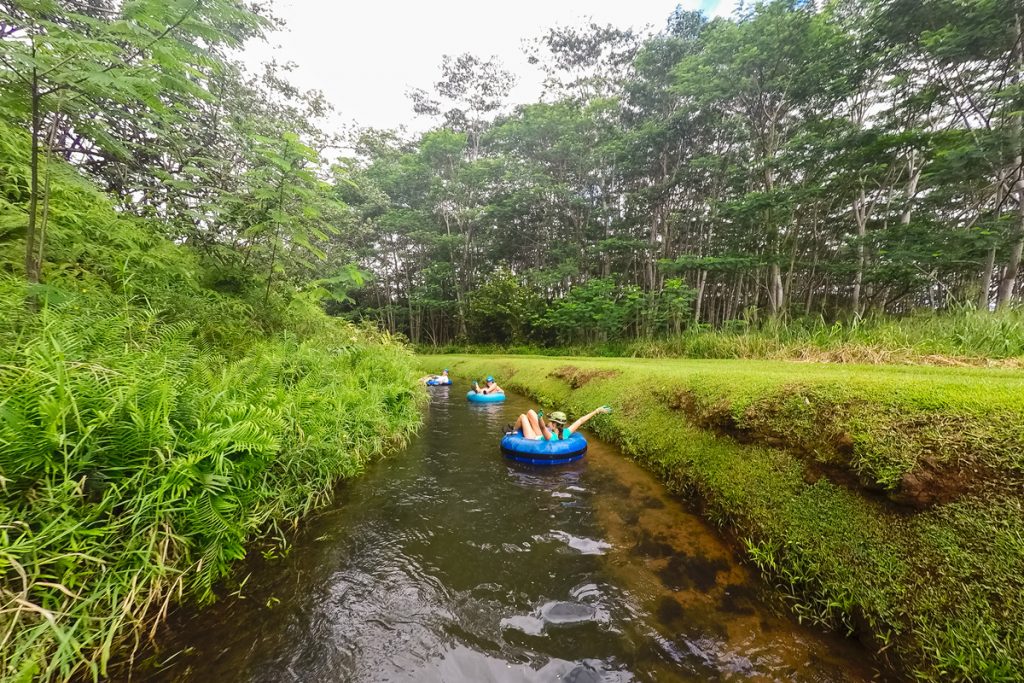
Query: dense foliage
[(171, 389), (802, 159), (138, 463), (171, 233)]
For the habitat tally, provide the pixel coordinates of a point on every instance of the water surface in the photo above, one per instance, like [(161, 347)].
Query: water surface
[(449, 563)]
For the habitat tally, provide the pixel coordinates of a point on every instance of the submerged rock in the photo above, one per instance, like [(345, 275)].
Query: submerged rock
[(567, 613)]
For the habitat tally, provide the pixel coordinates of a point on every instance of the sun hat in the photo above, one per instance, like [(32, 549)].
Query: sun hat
[(558, 417), (490, 378)]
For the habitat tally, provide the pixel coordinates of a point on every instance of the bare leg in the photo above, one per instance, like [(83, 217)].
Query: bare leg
[(531, 426)]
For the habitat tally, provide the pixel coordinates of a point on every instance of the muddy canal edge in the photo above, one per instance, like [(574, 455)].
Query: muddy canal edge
[(811, 471)]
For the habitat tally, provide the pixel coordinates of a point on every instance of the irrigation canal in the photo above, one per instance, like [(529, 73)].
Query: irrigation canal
[(448, 563)]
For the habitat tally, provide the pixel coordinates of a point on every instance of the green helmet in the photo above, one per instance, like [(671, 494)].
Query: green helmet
[(558, 417)]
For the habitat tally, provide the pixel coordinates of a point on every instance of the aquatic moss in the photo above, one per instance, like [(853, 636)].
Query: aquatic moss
[(882, 500)]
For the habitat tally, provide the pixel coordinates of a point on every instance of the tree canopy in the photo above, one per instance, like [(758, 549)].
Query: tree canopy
[(832, 160), (829, 160)]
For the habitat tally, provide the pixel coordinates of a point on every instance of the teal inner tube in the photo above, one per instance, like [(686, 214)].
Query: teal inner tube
[(438, 383), (485, 398), (539, 452)]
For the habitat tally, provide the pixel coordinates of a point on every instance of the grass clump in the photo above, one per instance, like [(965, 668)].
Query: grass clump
[(937, 588)]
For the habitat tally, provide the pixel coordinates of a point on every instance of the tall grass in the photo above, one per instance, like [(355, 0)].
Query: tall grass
[(949, 338), (137, 463)]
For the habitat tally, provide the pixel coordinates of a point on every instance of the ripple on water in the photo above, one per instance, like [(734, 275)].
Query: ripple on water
[(585, 546), (586, 606), (555, 614), (530, 625), (586, 591), (463, 664), (543, 480)]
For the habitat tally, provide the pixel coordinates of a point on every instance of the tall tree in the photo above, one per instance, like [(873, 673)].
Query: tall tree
[(67, 69)]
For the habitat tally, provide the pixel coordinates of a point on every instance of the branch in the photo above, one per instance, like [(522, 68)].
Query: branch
[(15, 72), (131, 57)]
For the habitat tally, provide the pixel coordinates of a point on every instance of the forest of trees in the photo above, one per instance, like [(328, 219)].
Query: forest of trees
[(827, 160), (184, 246), (147, 99), (832, 160)]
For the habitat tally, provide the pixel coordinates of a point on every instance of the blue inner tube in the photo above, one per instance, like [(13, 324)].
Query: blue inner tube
[(540, 452), (438, 383), (485, 398)]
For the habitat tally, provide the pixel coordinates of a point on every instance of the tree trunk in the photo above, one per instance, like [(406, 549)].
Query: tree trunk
[(734, 298), (462, 281), (277, 238), (860, 214), (1009, 279), (788, 287), (31, 262), (915, 176), (776, 296), (985, 283), (702, 280), (652, 244), (775, 291), (813, 274)]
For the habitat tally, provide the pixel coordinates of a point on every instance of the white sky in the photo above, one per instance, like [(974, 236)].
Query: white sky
[(365, 55)]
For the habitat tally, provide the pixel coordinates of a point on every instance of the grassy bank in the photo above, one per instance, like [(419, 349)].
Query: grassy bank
[(138, 467), (155, 425), (955, 338), (883, 500)]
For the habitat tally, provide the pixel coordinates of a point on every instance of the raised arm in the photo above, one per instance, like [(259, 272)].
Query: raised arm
[(545, 432), (583, 420)]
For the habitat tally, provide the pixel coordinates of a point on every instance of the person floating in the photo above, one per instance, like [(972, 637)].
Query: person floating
[(490, 387), (536, 440), (489, 393), (437, 380), (536, 427)]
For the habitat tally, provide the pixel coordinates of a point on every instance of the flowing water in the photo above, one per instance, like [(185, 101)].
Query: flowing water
[(448, 563)]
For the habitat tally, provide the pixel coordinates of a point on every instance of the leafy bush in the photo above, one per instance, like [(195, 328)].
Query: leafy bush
[(137, 465), (931, 338), (502, 309)]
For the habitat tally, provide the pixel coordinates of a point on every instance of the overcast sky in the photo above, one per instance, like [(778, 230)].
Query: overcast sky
[(365, 55)]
